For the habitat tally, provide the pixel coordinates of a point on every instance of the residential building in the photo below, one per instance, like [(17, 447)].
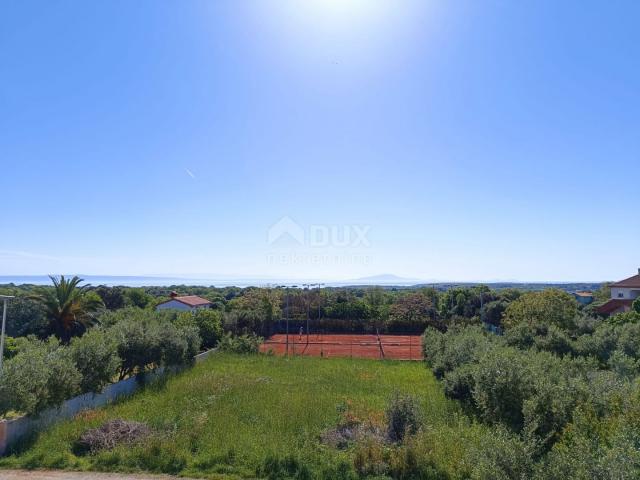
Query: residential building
[(583, 298), (187, 303), (623, 294)]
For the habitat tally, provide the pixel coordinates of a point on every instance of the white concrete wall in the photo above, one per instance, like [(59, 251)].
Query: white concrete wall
[(174, 305), (624, 293)]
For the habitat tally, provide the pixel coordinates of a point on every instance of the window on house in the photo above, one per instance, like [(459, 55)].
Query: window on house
[(620, 295)]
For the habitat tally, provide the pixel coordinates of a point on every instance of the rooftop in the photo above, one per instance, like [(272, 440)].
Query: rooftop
[(631, 282), (190, 300), (613, 305)]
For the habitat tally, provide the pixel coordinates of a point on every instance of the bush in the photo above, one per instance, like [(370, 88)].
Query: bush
[(596, 447), (24, 317), (623, 365), (64, 377), (555, 341), (151, 341), (23, 383), (208, 322), (492, 312), (629, 339), (457, 347), (138, 344), (403, 417), (137, 297), (95, 355), (179, 345), (460, 383), (243, 344), (599, 345), (522, 335), (38, 377), (557, 387), (548, 307), (501, 456), (432, 345), (109, 318), (11, 347), (502, 384)]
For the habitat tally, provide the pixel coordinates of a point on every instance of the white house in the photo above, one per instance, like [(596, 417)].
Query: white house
[(187, 303), (623, 294)]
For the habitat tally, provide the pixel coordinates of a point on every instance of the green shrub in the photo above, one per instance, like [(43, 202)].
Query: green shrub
[(501, 456), (623, 365), (597, 447), (24, 317), (208, 322), (555, 393), (153, 340), (403, 417), (548, 307), (432, 344), (243, 344), (629, 339), (457, 347), (23, 383), (555, 341), (178, 345), (95, 355), (137, 297), (599, 345), (521, 335), (64, 377), (138, 344), (11, 347), (460, 382), (625, 317), (544, 337), (502, 384), (38, 377)]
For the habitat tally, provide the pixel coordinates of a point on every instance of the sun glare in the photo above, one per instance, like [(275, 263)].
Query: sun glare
[(359, 32)]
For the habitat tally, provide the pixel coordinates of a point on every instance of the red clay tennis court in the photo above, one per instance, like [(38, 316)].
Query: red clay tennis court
[(393, 347)]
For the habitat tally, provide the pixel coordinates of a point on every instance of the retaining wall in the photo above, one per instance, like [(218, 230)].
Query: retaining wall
[(12, 431)]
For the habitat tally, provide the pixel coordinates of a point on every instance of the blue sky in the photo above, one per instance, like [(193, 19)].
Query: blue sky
[(462, 140)]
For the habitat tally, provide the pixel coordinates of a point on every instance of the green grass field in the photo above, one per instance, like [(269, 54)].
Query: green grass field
[(230, 415)]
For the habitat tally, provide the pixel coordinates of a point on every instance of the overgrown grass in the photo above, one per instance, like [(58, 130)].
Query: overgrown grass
[(236, 416)]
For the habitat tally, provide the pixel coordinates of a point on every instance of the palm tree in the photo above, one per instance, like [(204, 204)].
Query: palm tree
[(67, 306)]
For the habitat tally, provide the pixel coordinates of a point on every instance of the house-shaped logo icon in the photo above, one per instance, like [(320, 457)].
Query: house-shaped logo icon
[(285, 230)]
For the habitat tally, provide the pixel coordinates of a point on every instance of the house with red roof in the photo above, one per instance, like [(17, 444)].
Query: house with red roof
[(623, 294), (186, 302)]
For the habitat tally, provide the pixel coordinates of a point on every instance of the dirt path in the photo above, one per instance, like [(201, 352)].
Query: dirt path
[(62, 475)]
